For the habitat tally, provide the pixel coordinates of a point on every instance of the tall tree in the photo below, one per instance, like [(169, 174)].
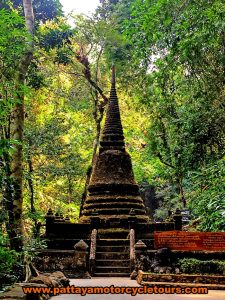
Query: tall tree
[(180, 46), (17, 127)]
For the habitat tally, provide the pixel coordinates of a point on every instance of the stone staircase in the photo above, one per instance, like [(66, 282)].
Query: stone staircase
[(113, 253)]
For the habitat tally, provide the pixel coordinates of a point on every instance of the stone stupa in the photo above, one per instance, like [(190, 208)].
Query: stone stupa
[(113, 193)]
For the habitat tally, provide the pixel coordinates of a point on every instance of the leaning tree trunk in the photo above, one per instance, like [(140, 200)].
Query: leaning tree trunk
[(17, 126), (99, 107)]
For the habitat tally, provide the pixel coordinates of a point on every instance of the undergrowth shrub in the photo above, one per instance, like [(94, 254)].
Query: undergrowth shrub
[(196, 266)]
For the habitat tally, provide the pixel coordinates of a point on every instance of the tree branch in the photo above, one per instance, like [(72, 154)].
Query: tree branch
[(164, 162), (83, 59)]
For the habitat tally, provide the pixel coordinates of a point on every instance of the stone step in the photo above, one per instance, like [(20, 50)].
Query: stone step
[(125, 199), (113, 211), (111, 274), (112, 205), (121, 221), (112, 262), (111, 269), (119, 249), (116, 198), (112, 255), (113, 242), (113, 190), (114, 234)]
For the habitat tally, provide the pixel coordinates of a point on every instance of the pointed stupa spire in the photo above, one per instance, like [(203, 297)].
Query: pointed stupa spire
[(112, 191), (113, 80), (112, 135)]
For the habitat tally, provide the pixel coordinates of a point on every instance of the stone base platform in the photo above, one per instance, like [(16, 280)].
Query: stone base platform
[(209, 281)]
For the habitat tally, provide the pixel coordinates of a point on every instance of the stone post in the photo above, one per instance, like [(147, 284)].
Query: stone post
[(140, 256), (81, 259), (93, 251), (132, 250), (177, 217)]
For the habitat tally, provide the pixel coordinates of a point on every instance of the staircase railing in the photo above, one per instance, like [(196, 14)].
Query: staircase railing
[(93, 251), (132, 250)]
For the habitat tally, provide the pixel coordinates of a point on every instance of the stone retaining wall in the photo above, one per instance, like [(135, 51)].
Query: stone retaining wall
[(145, 278)]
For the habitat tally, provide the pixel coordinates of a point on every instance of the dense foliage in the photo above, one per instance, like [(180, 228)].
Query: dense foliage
[(196, 266), (181, 47)]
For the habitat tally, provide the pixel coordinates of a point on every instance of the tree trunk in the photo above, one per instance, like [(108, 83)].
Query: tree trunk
[(29, 17), (5, 164), (181, 191), (31, 188), (98, 113), (17, 126), (98, 120), (30, 179)]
